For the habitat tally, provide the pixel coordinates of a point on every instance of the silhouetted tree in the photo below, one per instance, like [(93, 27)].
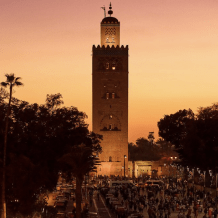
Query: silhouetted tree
[(79, 161), (11, 81), (173, 128), (54, 101), (195, 136), (166, 149), (39, 136), (143, 150)]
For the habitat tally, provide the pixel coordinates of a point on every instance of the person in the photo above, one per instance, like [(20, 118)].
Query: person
[(179, 214), (150, 212), (169, 212), (189, 212), (205, 211), (215, 213), (90, 202), (196, 210), (85, 211), (160, 209), (74, 211), (140, 207), (210, 212), (166, 214)]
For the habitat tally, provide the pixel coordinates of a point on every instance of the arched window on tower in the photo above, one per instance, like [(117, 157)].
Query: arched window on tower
[(105, 127), (113, 95), (110, 159), (110, 122), (113, 66), (107, 66), (115, 127)]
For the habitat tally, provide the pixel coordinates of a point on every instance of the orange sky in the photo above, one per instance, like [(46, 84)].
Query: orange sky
[(173, 48)]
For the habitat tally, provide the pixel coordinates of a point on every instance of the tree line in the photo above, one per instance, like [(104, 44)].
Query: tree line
[(42, 140), (147, 150), (195, 136)]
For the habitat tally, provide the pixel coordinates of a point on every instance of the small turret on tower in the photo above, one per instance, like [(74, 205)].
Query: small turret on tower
[(110, 30)]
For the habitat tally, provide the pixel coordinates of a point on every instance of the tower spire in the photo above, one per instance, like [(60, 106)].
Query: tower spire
[(110, 11)]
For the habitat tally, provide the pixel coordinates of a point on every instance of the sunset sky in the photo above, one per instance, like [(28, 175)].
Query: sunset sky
[(173, 53)]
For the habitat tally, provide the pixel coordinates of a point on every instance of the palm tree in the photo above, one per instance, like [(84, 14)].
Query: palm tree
[(79, 161), (11, 81)]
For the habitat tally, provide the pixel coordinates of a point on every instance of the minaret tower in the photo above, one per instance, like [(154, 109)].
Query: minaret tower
[(110, 97), (110, 30)]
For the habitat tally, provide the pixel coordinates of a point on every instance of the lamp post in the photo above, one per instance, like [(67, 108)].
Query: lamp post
[(193, 171), (216, 184), (138, 175), (204, 180), (177, 168), (124, 165)]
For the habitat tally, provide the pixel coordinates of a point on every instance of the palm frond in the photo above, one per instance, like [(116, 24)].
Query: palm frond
[(17, 78), (18, 83), (4, 84), (10, 77)]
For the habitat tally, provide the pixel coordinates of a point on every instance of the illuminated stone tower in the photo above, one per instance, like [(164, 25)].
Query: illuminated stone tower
[(110, 97)]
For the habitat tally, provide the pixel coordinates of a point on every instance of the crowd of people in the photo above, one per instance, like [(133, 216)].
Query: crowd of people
[(172, 199)]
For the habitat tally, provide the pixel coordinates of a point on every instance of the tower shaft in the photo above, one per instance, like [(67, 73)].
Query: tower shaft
[(110, 98)]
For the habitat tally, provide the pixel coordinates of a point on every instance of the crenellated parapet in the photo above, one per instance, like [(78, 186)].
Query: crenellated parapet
[(110, 50), (110, 47)]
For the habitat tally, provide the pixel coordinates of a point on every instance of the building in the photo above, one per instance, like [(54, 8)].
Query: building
[(110, 97)]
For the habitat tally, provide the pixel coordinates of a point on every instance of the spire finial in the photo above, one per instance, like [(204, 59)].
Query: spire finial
[(110, 11)]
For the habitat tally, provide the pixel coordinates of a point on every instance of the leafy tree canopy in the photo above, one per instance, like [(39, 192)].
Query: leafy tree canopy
[(143, 150), (195, 136), (39, 137)]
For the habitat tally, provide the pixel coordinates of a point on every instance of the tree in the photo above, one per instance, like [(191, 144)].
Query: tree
[(166, 148), (11, 81), (195, 136), (173, 128), (3, 94), (143, 150), (54, 101), (79, 161), (132, 149), (37, 139)]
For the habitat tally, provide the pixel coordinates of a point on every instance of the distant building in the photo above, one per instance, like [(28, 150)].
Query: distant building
[(110, 97)]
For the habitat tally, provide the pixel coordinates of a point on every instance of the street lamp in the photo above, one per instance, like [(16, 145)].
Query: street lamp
[(193, 171), (204, 180), (177, 169), (216, 184), (124, 165), (138, 175)]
